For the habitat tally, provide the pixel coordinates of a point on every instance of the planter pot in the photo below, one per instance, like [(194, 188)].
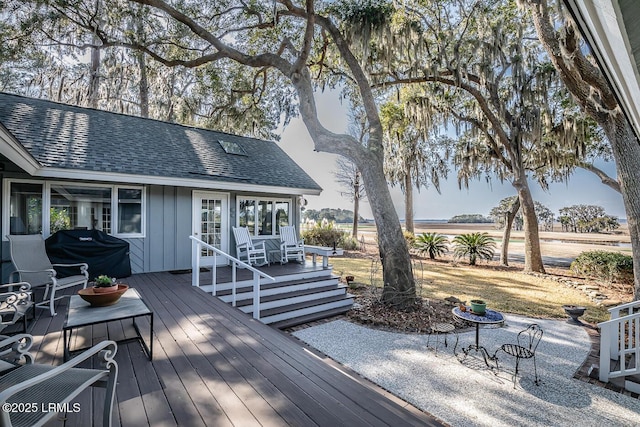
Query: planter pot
[(574, 312), (105, 289), (478, 306), (102, 299)]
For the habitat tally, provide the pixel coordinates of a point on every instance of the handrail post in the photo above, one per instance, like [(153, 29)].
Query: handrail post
[(214, 275), (256, 296), (605, 350), (195, 263), (233, 281)]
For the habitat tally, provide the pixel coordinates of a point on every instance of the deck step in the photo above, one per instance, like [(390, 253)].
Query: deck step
[(283, 324), (632, 383), (291, 296), (245, 292), (292, 311)]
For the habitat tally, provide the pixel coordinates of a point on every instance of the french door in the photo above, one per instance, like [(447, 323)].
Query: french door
[(211, 224)]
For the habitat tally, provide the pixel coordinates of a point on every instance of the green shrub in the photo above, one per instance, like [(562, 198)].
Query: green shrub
[(323, 233), (474, 246), (349, 243), (609, 266), (433, 244)]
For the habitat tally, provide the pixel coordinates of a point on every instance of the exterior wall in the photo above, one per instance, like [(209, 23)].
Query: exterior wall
[(166, 245)]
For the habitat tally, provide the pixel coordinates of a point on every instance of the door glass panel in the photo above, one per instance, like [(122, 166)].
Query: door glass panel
[(211, 224)]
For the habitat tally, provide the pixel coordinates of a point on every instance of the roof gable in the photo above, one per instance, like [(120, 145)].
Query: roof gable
[(83, 139)]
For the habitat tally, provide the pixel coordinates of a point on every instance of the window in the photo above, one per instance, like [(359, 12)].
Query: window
[(247, 214), (129, 210), (25, 208), (232, 148), (263, 217), (79, 207), (49, 207)]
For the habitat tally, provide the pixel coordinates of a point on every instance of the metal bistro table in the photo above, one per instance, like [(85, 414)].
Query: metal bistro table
[(491, 317), (130, 306)]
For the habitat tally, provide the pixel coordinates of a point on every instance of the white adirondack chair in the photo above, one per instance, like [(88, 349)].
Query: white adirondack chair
[(246, 250), (290, 246)]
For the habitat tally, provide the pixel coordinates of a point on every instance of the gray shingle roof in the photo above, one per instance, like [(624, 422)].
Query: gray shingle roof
[(70, 137)]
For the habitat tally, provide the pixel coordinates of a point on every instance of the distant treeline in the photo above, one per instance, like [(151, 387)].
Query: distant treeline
[(470, 218), (330, 214)]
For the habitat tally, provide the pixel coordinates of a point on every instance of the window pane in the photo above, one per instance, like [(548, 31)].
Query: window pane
[(25, 208), (129, 211), (282, 215), (74, 207), (265, 218), (247, 215)]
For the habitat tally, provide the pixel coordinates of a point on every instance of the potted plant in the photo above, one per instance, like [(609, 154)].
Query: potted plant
[(104, 284), (478, 306)]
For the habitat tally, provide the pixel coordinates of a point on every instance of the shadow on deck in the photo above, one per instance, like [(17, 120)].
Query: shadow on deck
[(215, 366)]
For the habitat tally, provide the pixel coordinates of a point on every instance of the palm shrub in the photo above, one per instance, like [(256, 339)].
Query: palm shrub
[(433, 244), (474, 246)]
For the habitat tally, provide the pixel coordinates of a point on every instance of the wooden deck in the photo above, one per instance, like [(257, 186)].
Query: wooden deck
[(215, 366)]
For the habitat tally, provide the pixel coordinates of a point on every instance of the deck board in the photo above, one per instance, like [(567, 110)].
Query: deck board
[(216, 366)]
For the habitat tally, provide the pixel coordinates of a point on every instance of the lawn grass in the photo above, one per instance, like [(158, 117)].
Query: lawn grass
[(506, 290)]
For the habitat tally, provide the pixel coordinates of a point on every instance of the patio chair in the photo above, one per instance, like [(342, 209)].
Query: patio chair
[(442, 330), (31, 386), (527, 342), (32, 264), (290, 245), (15, 302), (253, 253)]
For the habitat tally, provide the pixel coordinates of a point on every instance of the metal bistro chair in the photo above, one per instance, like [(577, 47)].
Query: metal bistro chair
[(442, 330), (291, 246), (528, 340), (29, 256), (253, 253)]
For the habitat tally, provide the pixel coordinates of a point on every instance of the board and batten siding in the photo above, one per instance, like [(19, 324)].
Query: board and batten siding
[(166, 245)]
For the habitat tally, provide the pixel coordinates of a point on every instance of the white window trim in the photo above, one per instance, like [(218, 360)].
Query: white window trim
[(46, 205), (257, 199)]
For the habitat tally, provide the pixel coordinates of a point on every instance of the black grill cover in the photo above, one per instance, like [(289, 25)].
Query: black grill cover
[(105, 254)]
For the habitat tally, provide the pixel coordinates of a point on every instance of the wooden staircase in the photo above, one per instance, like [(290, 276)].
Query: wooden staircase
[(297, 296)]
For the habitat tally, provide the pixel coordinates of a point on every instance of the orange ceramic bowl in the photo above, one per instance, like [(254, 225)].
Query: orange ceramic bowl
[(102, 299)]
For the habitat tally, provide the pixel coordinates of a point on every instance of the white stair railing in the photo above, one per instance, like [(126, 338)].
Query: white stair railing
[(197, 245), (620, 340)]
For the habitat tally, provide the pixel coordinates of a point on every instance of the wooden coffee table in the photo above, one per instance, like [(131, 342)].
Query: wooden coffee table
[(130, 306)]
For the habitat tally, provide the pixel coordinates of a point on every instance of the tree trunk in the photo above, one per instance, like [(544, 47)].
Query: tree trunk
[(626, 151), (532, 253), (356, 205), (399, 285), (506, 233), (408, 203), (94, 77), (143, 88)]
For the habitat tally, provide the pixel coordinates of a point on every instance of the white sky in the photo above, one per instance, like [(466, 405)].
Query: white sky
[(582, 188)]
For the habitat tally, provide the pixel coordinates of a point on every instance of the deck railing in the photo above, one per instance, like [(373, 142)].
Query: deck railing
[(197, 245), (620, 340)]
